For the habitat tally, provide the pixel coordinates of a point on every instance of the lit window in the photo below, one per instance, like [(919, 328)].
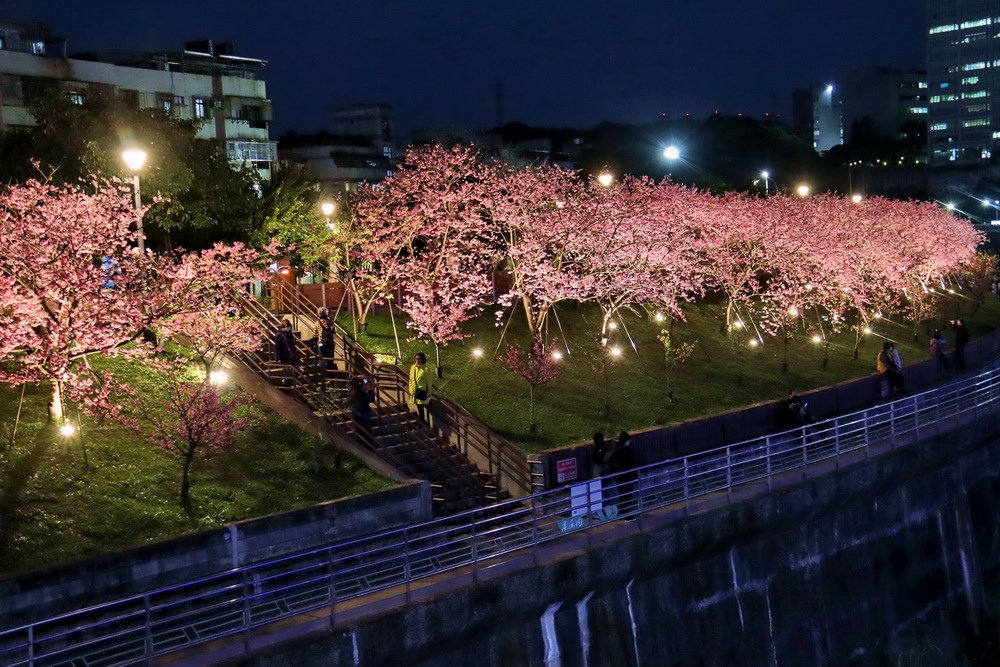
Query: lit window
[(976, 108), (974, 24), (948, 27), (38, 48), (76, 98), (199, 107), (974, 95), (943, 84), (922, 84), (996, 135), (918, 109), (937, 127), (970, 80), (968, 67), (975, 122)]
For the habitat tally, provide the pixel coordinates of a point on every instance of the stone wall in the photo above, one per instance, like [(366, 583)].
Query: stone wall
[(888, 557)]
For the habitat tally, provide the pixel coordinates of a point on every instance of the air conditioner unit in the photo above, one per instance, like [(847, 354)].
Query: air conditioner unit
[(216, 103)]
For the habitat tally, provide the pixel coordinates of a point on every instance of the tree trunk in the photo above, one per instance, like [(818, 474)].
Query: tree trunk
[(55, 402), (437, 361), (186, 478), (531, 410)]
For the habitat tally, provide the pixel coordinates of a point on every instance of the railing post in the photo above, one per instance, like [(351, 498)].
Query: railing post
[(729, 474), (892, 425), (246, 613), (31, 646), (407, 572), (687, 488), (474, 551), (767, 448), (332, 585), (148, 639)]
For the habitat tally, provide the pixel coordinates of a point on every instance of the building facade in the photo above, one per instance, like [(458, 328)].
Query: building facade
[(817, 116), (886, 102), (963, 50), (361, 148), (204, 82)]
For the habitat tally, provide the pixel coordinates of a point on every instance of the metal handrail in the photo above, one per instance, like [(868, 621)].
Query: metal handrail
[(505, 460), (162, 621)]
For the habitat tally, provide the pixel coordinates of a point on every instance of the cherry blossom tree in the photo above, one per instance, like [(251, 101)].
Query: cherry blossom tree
[(189, 419), (72, 285), (534, 366)]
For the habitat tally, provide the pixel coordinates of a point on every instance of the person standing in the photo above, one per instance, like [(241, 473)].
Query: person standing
[(889, 364), (961, 340), (936, 350), (361, 397), (623, 465), (421, 380), (599, 453), (284, 344)]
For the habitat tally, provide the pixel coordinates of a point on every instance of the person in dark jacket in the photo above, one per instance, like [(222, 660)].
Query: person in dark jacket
[(284, 344), (961, 340), (623, 464), (599, 453), (936, 349), (361, 398)]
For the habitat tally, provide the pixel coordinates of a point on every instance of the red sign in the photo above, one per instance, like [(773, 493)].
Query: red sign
[(566, 470)]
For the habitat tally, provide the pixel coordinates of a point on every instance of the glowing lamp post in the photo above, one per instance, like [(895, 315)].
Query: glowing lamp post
[(605, 179), (328, 207), (766, 175), (672, 153), (134, 159), (803, 190)]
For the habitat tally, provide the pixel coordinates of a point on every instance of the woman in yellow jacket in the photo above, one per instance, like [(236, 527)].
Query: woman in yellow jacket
[(421, 380)]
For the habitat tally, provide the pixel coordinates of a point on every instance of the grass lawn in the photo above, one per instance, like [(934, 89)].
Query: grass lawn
[(53, 507), (644, 390)]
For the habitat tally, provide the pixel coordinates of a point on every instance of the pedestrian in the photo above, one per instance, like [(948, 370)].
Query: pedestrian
[(325, 339), (623, 465), (796, 412), (284, 344), (961, 340), (889, 364), (361, 397), (421, 380), (936, 349), (599, 454)]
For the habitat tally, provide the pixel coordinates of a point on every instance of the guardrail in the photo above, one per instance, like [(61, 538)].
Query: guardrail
[(143, 627)]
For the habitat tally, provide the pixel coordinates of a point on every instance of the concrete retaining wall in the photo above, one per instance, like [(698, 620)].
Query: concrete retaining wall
[(125, 572)]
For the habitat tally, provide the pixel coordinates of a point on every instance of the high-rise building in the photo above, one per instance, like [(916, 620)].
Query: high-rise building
[(885, 102), (816, 115), (205, 82), (963, 49)]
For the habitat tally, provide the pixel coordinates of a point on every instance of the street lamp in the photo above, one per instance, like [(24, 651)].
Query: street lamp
[(328, 208), (856, 198), (766, 175), (672, 153), (134, 159), (605, 178), (803, 190)]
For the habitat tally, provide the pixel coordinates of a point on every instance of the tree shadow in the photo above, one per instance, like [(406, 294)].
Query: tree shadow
[(15, 484)]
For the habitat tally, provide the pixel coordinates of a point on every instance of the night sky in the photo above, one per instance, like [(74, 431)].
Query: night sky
[(562, 63)]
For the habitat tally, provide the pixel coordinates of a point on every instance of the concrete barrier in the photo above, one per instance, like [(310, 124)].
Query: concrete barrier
[(42, 593)]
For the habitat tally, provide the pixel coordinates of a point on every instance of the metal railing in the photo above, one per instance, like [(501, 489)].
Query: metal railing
[(494, 454), (142, 627)]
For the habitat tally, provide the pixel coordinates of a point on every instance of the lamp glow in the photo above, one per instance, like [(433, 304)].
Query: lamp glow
[(793, 311), (477, 352), (328, 207), (867, 330), (605, 178), (817, 339), (66, 430), (671, 152), (613, 326), (754, 342), (803, 190), (134, 158), (218, 377), (738, 324), (856, 199), (557, 355), (616, 351), (659, 317)]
